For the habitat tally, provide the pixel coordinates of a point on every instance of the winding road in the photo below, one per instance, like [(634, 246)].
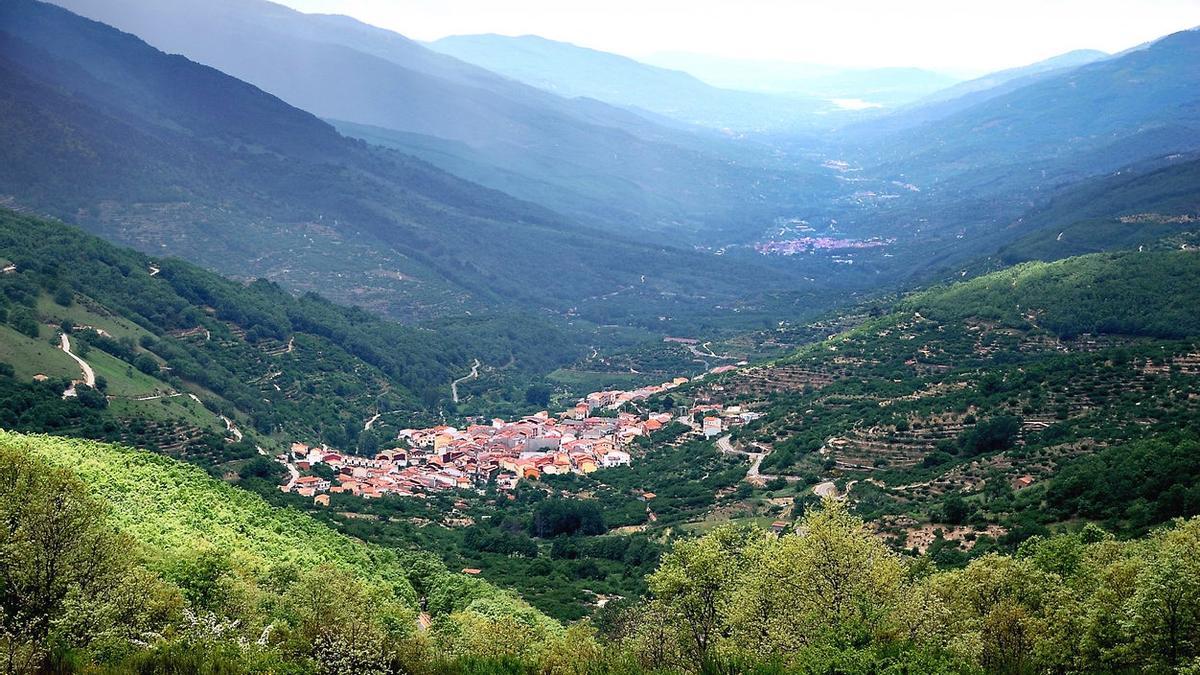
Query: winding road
[(756, 458), (89, 375), (825, 489), (454, 385)]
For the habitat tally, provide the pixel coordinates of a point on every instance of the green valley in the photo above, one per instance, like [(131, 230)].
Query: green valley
[(348, 338)]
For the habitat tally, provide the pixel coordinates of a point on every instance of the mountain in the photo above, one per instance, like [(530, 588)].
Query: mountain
[(1140, 208), (946, 102), (849, 87), (977, 405), (1093, 119), (572, 71), (164, 154), (1026, 74), (598, 164)]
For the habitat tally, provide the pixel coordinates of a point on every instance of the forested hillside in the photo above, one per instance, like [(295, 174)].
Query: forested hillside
[(967, 418), (1087, 121), (1132, 294), (279, 365), (1146, 207), (152, 566), (122, 562), (600, 165)]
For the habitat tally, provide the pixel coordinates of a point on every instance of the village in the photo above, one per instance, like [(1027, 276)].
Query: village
[(592, 435)]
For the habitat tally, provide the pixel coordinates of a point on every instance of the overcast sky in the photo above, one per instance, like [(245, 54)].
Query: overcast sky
[(954, 35)]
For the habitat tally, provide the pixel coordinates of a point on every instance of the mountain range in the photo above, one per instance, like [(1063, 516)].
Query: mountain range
[(723, 367), (572, 71), (164, 154), (601, 165), (887, 87), (1089, 120)]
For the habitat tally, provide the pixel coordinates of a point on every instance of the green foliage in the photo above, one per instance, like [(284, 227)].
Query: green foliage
[(1126, 211), (301, 365), (1134, 485), (554, 517), (1142, 295), (992, 435), (113, 556), (834, 599)]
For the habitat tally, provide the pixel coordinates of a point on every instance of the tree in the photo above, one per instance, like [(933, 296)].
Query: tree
[(538, 395), (834, 583), (1166, 603), (693, 585), (146, 363), (55, 546), (955, 509), (355, 630), (64, 297), (553, 517)]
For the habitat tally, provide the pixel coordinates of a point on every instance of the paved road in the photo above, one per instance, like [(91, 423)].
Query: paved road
[(756, 458), (454, 385), (826, 489), (89, 375), (295, 474)]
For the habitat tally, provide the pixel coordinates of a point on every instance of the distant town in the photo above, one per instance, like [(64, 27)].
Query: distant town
[(592, 435)]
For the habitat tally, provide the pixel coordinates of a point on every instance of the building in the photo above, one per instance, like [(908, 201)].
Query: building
[(712, 427)]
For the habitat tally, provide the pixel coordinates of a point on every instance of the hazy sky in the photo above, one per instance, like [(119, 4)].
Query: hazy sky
[(957, 35)]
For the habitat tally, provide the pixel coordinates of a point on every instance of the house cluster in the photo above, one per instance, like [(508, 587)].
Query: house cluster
[(587, 437), (810, 244)]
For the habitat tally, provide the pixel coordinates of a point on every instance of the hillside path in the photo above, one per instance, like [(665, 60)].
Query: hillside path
[(454, 385), (232, 428), (89, 375)]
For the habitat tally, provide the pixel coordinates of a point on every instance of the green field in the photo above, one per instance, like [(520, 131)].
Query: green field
[(591, 380), (30, 357), (83, 315), (124, 381)]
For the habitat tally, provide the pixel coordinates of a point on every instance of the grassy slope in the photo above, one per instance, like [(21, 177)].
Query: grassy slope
[(30, 357), (193, 511)]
